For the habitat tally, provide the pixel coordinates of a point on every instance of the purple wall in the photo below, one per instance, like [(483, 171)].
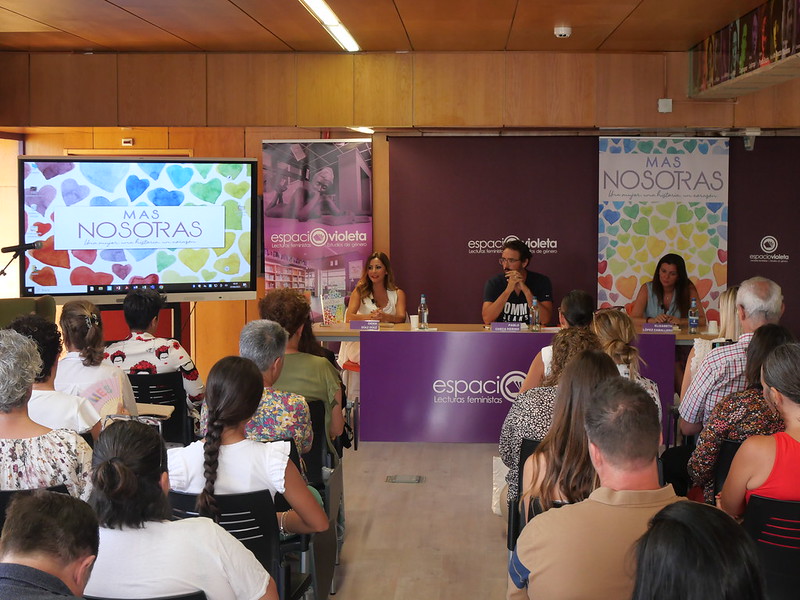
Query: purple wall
[(446, 192)]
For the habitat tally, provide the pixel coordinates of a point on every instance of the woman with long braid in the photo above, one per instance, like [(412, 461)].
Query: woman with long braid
[(226, 462)]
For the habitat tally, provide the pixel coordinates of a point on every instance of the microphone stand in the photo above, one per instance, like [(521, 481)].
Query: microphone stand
[(8, 264)]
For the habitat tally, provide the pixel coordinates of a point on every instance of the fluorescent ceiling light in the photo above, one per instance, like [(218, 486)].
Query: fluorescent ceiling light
[(366, 130), (328, 19)]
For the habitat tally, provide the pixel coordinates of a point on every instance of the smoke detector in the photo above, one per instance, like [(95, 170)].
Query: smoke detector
[(562, 32)]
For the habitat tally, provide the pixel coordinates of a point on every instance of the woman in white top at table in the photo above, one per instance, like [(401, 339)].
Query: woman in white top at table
[(226, 462), (376, 297), (82, 372)]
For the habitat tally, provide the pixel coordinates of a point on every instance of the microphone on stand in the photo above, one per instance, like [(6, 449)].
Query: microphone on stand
[(22, 247)]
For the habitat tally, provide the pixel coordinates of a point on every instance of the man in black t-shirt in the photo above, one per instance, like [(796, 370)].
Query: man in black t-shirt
[(507, 296)]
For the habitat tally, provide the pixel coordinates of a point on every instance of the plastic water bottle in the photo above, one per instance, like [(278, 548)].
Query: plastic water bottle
[(694, 317), (535, 324), (423, 313)]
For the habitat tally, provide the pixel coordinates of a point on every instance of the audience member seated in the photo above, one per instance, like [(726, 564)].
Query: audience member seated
[(33, 456), (615, 330), (667, 298), (695, 552), (740, 415), (767, 465), (758, 301), (143, 554), (144, 353), (226, 462), (48, 407), (81, 371), (532, 412), (575, 311), (729, 329), (560, 471), (311, 376), (280, 415), (584, 550), (48, 546)]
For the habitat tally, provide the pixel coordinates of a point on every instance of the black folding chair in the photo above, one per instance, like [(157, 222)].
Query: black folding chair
[(775, 527), (200, 595), (514, 513), (727, 451), (166, 389)]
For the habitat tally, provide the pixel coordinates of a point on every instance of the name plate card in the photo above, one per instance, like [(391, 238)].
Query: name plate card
[(658, 328), (508, 326), (369, 325)]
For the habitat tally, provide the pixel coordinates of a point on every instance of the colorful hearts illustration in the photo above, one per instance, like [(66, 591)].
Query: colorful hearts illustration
[(203, 169), (151, 279), (231, 171), (153, 170), (720, 273), (113, 255), (671, 232), (105, 175), (140, 253), (703, 287), (49, 255), (87, 256), (121, 271), (638, 242), (244, 246), (632, 210), (684, 214), (723, 255), (237, 190), (44, 277), (42, 228), (164, 260), (103, 201), (625, 224), (40, 200), (229, 265), (50, 170), (229, 237), (602, 266), (656, 246), (135, 186), (174, 277), (162, 197), (642, 227), (626, 286), (666, 209), (606, 281), (613, 296), (207, 192), (233, 215), (625, 251), (658, 224), (85, 276), (72, 192), (178, 175), (208, 275), (193, 258)]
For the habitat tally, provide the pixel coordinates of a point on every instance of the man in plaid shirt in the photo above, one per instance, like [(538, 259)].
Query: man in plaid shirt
[(758, 302)]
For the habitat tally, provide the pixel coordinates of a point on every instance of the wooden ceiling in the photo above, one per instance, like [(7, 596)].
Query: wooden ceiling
[(377, 25)]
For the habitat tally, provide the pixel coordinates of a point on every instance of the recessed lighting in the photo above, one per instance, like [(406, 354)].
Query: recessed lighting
[(366, 130)]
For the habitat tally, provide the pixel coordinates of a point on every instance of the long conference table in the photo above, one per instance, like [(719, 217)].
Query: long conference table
[(456, 383)]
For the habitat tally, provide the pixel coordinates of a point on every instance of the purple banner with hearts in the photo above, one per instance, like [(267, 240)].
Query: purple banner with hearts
[(317, 218), (458, 386)]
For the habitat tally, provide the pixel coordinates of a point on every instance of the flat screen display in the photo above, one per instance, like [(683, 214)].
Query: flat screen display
[(185, 227)]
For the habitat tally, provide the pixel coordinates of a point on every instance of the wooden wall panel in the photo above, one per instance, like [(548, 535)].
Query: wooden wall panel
[(380, 193), (210, 142), (215, 331), (55, 142), (73, 89), (628, 89), (547, 89), (246, 89), (324, 90), (162, 89), (777, 106), (459, 89), (14, 88), (383, 84), (687, 112), (144, 138)]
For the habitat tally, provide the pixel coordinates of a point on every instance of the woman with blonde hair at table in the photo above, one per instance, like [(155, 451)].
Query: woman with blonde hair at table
[(375, 297), (730, 328)]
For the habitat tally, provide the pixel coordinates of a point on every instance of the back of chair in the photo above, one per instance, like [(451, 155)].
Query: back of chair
[(727, 451), (191, 596), (775, 527), (527, 448), (166, 388), (11, 308), (250, 518), (319, 455), (6, 495)]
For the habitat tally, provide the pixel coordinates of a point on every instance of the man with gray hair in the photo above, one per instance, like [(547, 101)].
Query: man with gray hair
[(280, 415), (758, 302), (583, 550)]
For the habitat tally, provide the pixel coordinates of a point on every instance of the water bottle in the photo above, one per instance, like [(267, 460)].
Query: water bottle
[(694, 317), (535, 324), (422, 311)]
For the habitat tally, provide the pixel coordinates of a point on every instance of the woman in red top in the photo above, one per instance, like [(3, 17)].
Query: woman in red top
[(767, 465)]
